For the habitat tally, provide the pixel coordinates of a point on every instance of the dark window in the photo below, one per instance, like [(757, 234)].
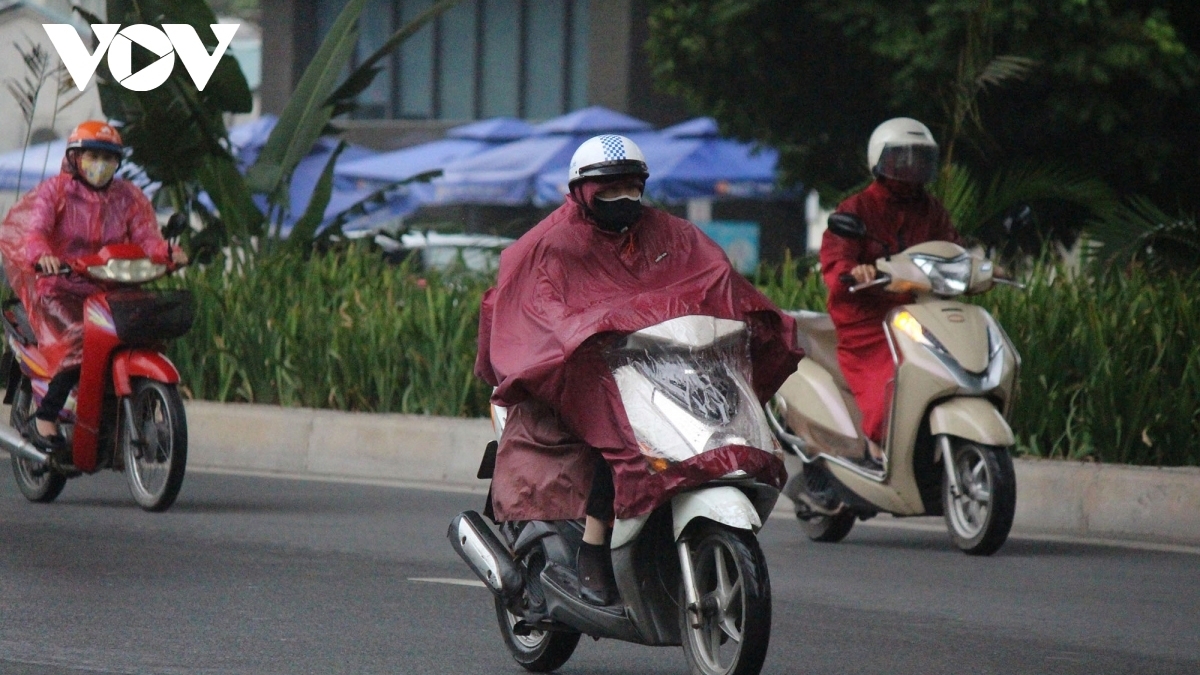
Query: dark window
[(482, 58)]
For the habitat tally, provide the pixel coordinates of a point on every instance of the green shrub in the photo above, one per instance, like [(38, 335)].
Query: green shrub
[(342, 330), (1110, 369)]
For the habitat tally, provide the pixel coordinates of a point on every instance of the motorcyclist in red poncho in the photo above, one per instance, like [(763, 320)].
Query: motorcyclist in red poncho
[(73, 214), (604, 265), (898, 213)]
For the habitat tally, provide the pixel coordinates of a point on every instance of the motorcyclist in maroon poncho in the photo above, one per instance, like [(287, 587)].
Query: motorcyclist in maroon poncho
[(898, 213), (73, 214), (601, 266)]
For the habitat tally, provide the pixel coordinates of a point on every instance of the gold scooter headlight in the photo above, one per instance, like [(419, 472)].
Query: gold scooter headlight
[(907, 324)]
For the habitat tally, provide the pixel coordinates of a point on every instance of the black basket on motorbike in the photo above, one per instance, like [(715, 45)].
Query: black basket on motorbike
[(149, 317)]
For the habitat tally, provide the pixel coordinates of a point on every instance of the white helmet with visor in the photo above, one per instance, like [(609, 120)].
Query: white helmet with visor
[(607, 155), (903, 149)]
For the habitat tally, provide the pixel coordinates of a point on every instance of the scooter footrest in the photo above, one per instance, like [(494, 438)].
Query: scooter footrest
[(566, 607)]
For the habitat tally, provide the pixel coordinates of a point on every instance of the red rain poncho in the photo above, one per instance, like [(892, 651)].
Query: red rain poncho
[(565, 290), (902, 216), (65, 218)]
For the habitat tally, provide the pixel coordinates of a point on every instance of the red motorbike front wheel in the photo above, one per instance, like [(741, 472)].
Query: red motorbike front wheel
[(153, 444)]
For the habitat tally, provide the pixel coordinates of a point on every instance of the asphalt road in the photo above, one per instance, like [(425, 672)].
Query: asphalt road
[(253, 575)]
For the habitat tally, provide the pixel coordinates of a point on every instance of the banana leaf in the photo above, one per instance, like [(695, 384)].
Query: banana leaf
[(308, 110), (306, 227)]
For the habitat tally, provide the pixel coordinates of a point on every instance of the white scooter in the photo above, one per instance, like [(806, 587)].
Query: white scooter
[(691, 572), (947, 440)]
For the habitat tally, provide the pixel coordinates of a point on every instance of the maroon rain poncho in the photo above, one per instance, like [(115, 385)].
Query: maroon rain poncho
[(566, 290), (65, 218), (902, 215)]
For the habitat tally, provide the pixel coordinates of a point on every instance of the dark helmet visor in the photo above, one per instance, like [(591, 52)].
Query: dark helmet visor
[(908, 163)]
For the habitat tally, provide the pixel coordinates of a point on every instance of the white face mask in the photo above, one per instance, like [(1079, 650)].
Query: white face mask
[(97, 172)]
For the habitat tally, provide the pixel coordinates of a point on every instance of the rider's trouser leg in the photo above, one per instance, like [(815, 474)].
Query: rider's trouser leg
[(56, 394)]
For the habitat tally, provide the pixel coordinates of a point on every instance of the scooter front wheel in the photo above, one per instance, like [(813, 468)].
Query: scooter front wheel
[(728, 631), (153, 444), (38, 483), (981, 514)]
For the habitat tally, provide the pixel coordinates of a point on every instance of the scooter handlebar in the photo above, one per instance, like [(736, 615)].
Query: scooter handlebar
[(1008, 282), (881, 280), (62, 271)]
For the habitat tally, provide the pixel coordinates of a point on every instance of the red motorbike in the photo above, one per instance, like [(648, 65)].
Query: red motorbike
[(126, 413)]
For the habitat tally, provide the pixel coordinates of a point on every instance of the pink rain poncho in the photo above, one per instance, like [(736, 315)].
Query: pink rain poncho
[(66, 218), (565, 290)]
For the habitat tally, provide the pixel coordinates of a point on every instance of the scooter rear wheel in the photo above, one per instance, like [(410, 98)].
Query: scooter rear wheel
[(734, 592), (539, 651), (38, 483), (827, 529), (979, 519), (155, 461)]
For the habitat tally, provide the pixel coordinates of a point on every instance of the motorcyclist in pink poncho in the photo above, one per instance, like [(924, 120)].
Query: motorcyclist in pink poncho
[(604, 265), (73, 214)]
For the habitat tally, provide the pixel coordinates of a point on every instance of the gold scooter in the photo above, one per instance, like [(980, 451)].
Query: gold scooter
[(946, 450)]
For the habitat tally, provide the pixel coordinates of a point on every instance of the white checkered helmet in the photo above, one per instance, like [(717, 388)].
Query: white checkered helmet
[(607, 155)]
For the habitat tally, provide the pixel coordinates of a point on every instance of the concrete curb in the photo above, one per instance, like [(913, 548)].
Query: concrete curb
[(1072, 499)]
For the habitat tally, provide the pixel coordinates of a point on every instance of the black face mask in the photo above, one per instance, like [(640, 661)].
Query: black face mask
[(616, 215)]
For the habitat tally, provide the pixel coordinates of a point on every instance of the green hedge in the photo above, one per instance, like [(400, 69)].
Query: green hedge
[(1110, 368), (344, 331)]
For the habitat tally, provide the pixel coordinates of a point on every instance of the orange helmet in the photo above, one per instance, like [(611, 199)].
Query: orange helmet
[(95, 135)]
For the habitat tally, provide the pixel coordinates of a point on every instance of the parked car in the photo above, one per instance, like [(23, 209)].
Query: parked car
[(476, 252)]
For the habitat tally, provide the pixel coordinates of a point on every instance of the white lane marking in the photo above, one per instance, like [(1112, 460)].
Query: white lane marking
[(451, 582)]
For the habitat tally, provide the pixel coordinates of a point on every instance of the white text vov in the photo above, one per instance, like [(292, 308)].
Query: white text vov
[(178, 38)]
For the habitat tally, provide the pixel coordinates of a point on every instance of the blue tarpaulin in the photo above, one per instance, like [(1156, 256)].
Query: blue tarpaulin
[(690, 161), (507, 175), (248, 141), (460, 142)]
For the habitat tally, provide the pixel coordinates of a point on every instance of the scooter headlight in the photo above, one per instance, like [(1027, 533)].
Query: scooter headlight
[(128, 271), (947, 277), (907, 324)]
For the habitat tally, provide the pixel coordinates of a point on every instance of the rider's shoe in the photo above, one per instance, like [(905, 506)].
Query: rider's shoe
[(873, 457), (594, 567), (49, 443)]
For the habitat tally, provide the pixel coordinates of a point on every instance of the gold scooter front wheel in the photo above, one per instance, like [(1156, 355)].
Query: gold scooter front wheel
[(980, 513)]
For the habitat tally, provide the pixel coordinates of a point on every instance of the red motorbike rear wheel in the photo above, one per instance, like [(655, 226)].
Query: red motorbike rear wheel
[(38, 483)]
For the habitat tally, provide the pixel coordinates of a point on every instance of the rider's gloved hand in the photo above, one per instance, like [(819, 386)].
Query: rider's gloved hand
[(178, 256)]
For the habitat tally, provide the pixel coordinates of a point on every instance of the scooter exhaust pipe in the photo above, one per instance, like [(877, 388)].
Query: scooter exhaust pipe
[(15, 444), (475, 543)]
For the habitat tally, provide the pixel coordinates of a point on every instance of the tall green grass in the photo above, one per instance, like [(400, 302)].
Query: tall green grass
[(343, 330), (1110, 366)]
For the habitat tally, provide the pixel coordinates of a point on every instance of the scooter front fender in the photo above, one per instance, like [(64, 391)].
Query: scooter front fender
[(723, 504), (132, 363), (972, 419)]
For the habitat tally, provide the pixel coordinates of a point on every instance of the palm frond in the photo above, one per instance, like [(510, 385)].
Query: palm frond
[(1139, 230), (1003, 69)]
